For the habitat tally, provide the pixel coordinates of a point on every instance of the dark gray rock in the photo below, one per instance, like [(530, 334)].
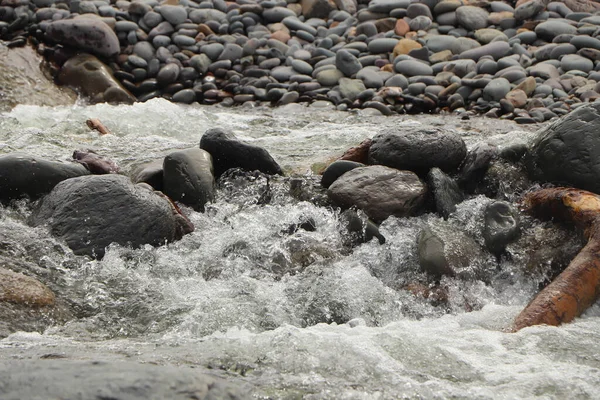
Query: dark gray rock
[(26, 176), (87, 34), (575, 62), (229, 152), (382, 45), (188, 177), (529, 10), (496, 89), (91, 212), (337, 169), (347, 63), (567, 151), (151, 173), (66, 379), (501, 225), (418, 151), (379, 191), (360, 229), (446, 192)]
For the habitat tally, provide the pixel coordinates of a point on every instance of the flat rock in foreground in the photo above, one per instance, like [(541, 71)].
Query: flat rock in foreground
[(60, 379)]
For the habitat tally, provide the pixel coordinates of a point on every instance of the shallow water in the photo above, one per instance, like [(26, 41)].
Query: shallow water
[(290, 315)]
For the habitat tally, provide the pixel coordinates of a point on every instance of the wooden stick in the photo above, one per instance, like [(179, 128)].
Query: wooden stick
[(578, 286), (95, 124)]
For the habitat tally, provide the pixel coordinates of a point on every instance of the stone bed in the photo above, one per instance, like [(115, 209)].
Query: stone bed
[(531, 63)]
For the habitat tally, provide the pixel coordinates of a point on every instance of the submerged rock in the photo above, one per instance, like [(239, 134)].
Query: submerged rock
[(91, 212), (501, 225), (379, 191), (445, 190), (26, 176), (22, 289), (230, 152)]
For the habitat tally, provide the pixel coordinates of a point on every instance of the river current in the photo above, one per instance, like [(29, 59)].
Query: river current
[(290, 315)]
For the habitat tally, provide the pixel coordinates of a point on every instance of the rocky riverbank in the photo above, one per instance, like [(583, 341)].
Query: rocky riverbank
[(531, 62)]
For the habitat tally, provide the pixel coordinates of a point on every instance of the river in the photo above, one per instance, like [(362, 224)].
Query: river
[(283, 315)]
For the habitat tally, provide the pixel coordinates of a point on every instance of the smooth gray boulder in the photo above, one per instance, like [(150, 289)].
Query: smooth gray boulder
[(567, 152), (495, 49), (188, 177), (417, 151), (228, 152), (91, 212), (67, 379), (379, 191), (87, 34), (472, 18), (347, 63), (22, 175)]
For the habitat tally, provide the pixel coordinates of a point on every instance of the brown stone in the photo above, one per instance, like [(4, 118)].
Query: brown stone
[(385, 24), (517, 97), (205, 29), (401, 27), (94, 79), (444, 55), (317, 8), (528, 85), (404, 46), (22, 289), (281, 36), (359, 153), (496, 17)]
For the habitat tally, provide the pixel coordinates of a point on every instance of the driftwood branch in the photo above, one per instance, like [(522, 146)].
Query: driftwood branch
[(578, 286), (95, 124)]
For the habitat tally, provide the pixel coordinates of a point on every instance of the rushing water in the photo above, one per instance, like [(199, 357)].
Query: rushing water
[(290, 314)]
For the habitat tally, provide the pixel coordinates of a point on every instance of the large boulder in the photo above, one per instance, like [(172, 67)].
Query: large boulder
[(228, 152), (91, 212), (379, 191), (86, 34), (188, 177), (94, 80), (418, 151), (26, 176), (568, 151)]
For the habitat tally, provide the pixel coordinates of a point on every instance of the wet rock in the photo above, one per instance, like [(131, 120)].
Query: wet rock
[(446, 251), (188, 177), (228, 152), (446, 192), (68, 379), (501, 225), (337, 169), (151, 173), (26, 176), (379, 191), (22, 289), (95, 163), (359, 228), (476, 164), (567, 151), (23, 81), (94, 79), (358, 153), (91, 212), (418, 151), (88, 34)]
